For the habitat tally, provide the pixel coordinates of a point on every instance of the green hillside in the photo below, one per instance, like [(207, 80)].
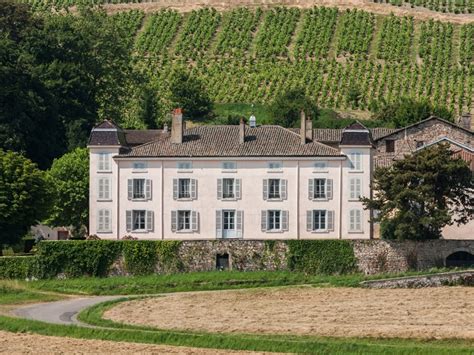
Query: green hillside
[(344, 59)]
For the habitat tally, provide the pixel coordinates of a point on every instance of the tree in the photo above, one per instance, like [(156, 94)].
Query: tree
[(188, 93), (25, 196), (419, 195), (407, 111), (285, 109), (70, 178)]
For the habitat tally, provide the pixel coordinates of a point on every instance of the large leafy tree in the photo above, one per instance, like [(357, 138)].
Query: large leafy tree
[(407, 111), (25, 196), (189, 93), (70, 178), (286, 108), (59, 73), (419, 195)]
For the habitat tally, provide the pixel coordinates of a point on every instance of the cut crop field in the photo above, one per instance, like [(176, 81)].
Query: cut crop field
[(432, 313)]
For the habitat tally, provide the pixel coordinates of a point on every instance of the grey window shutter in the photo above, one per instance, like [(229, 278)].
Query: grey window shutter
[(219, 189), (174, 221), (238, 188), (148, 189), (283, 189), (193, 189), (100, 223), (175, 189), (309, 221), (284, 220), (264, 221), (149, 220), (130, 189), (194, 221), (265, 189), (219, 224), (330, 220), (129, 220), (311, 189), (329, 189), (239, 222)]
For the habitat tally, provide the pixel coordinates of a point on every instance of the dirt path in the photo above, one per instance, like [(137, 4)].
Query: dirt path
[(367, 5), (21, 343), (445, 312)]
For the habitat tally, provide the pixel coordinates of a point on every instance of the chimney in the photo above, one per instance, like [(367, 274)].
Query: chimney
[(242, 131), (177, 126), (303, 127), (309, 129), (165, 128), (465, 120), (253, 121)]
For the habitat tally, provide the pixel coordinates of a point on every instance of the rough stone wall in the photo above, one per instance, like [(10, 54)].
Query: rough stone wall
[(373, 256), (427, 132)]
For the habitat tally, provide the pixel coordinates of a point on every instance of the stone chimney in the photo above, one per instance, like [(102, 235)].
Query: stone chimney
[(177, 126), (465, 120), (242, 131), (306, 129)]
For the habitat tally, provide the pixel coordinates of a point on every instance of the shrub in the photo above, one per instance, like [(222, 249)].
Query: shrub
[(140, 256), (18, 267), (321, 256), (168, 256), (77, 257)]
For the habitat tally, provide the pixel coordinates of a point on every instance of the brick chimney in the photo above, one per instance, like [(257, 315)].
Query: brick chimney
[(306, 129), (177, 126), (242, 131), (465, 120)]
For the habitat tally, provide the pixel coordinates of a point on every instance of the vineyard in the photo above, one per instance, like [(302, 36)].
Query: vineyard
[(343, 59), (454, 6)]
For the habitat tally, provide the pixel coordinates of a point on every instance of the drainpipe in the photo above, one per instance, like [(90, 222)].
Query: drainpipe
[(118, 199), (161, 201), (340, 198), (298, 199)]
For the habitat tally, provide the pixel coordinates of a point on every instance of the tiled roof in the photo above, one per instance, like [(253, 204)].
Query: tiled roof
[(136, 137), (334, 135), (223, 141)]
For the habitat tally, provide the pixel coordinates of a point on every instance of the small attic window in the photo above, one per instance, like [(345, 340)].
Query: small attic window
[(140, 166), (389, 146), (184, 166)]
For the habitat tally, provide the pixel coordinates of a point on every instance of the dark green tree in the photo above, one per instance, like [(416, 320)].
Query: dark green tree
[(286, 108), (189, 93), (407, 111), (419, 195), (25, 196), (70, 178)]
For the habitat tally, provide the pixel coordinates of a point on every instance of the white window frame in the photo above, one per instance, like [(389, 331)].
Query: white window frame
[(325, 188), (184, 167), (103, 184), (135, 182), (180, 215), (355, 186), (320, 167), (279, 190), (229, 167), (274, 217), (140, 167), (103, 164), (354, 225), (180, 191), (233, 197), (325, 229), (144, 229), (102, 215), (355, 161), (275, 166)]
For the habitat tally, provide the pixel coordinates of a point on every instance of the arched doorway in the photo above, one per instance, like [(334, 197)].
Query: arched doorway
[(460, 258)]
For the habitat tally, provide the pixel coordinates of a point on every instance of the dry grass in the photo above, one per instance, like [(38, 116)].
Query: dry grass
[(428, 313)]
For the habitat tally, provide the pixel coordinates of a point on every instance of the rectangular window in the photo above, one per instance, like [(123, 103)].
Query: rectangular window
[(274, 220), (104, 221), (320, 166), (229, 220), (420, 144), (355, 188), (228, 188), (229, 166), (184, 190), (274, 188), (389, 146), (319, 220), (355, 221), (104, 188), (138, 189), (274, 166), (104, 162), (319, 188), (184, 166), (139, 166), (356, 161), (138, 220), (184, 220)]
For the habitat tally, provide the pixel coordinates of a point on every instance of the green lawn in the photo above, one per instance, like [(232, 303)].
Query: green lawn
[(12, 293)]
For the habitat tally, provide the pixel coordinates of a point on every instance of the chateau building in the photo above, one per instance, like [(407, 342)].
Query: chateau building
[(247, 182)]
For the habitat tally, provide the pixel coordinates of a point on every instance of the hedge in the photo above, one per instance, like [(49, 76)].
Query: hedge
[(18, 267), (321, 256)]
